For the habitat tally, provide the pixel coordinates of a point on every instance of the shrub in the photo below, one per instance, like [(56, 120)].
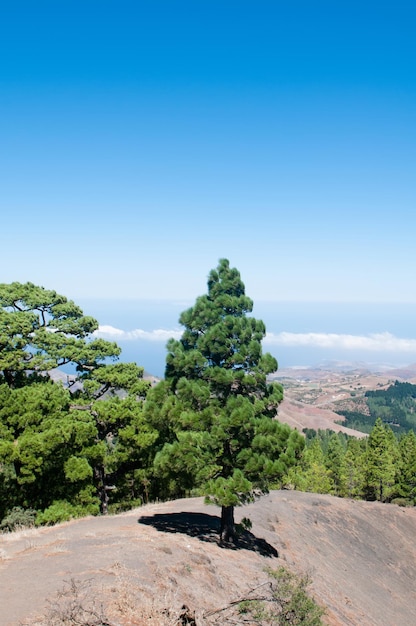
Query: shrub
[(75, 605), (17, 519), (284, 602), (402, 501), (63, 511)]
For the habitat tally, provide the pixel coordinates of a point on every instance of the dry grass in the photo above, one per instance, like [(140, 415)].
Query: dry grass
[(83, 603)]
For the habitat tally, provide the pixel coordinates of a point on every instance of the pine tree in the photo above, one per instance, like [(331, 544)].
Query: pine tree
[(123, 438), (355, 461), (43, 448), (62, 452), (215, 408), (316, 476), (380, 462), (407, 465), (335, 463), (41, 330)]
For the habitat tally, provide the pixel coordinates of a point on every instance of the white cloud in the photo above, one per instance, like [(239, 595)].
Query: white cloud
[(377, 342), (116, 334), (109, 331)]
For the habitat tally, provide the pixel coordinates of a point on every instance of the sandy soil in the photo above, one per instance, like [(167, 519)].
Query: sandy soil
[(360, 556)]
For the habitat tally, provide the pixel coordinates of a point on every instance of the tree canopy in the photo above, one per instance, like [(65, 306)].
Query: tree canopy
[(41, 330), (63, 451)]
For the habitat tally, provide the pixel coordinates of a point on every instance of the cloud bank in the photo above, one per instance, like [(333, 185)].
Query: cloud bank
[(377, 342), (116, 334)]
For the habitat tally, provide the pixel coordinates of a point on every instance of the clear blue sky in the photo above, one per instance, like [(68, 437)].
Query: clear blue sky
[(142, 141)]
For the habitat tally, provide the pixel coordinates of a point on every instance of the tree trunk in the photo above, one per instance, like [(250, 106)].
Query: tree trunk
[(100, 480), (9, 378), (227, 531)]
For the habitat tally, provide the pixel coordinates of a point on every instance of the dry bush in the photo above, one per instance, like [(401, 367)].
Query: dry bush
[(282, 600), (123, 604), (75, 605)]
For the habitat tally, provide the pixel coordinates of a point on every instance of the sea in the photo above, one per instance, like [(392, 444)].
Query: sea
[(299, 334)]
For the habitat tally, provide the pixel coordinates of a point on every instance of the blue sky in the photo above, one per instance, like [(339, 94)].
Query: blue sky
[(141, 142)]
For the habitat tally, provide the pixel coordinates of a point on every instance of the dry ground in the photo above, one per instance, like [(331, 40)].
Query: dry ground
[(301, 415), (361, 557), (312, 395)]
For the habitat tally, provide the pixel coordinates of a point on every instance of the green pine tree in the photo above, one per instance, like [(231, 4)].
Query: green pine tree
[(335, 463), (215, 408), (407, 467), (63, 454), (316, 477), (41, 330), (380, 469), (355, 462)]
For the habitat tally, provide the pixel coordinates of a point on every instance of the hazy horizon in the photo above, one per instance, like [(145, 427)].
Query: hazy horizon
[(298, 334)]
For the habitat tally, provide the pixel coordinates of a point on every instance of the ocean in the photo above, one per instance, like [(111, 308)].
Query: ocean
[(298, 333)]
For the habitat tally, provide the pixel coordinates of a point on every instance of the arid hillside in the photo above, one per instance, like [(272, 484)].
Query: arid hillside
[(312, 395), (302, 415), (360, 556)]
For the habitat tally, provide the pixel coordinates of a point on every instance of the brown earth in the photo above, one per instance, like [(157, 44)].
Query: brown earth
[(301, 415), (315, 397), (360, 556)]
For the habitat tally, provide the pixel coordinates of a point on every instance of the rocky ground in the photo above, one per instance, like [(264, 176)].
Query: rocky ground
[(143, 566)]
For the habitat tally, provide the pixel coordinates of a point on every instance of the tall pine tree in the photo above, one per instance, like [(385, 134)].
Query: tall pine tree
[(381, 460), (215, 408), (407, 467)]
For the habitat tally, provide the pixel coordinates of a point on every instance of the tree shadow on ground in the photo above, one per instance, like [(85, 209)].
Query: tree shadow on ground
[(206, 528)]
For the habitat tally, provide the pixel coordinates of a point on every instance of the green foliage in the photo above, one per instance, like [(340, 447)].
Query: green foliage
[(246, 523), (294, 605), (335, 464), (62, 511), (214, 410), (380, 468), (41, 330), (17, 519), (128, 443), (40, 438), (207, 429), (397, 391), (60, 454), (355, 462), (403, 501), (406, 476), (395, 406), (285, 602), (110, 378), (356, 420), (77, 468), (311, 474)]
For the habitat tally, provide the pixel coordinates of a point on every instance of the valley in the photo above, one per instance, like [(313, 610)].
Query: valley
[(313, 395)]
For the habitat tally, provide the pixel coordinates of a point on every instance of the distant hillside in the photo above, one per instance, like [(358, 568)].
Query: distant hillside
[(300, 415), (318, 397)]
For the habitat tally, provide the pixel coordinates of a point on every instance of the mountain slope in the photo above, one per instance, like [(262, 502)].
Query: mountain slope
[(361, 557), (300, 415)]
